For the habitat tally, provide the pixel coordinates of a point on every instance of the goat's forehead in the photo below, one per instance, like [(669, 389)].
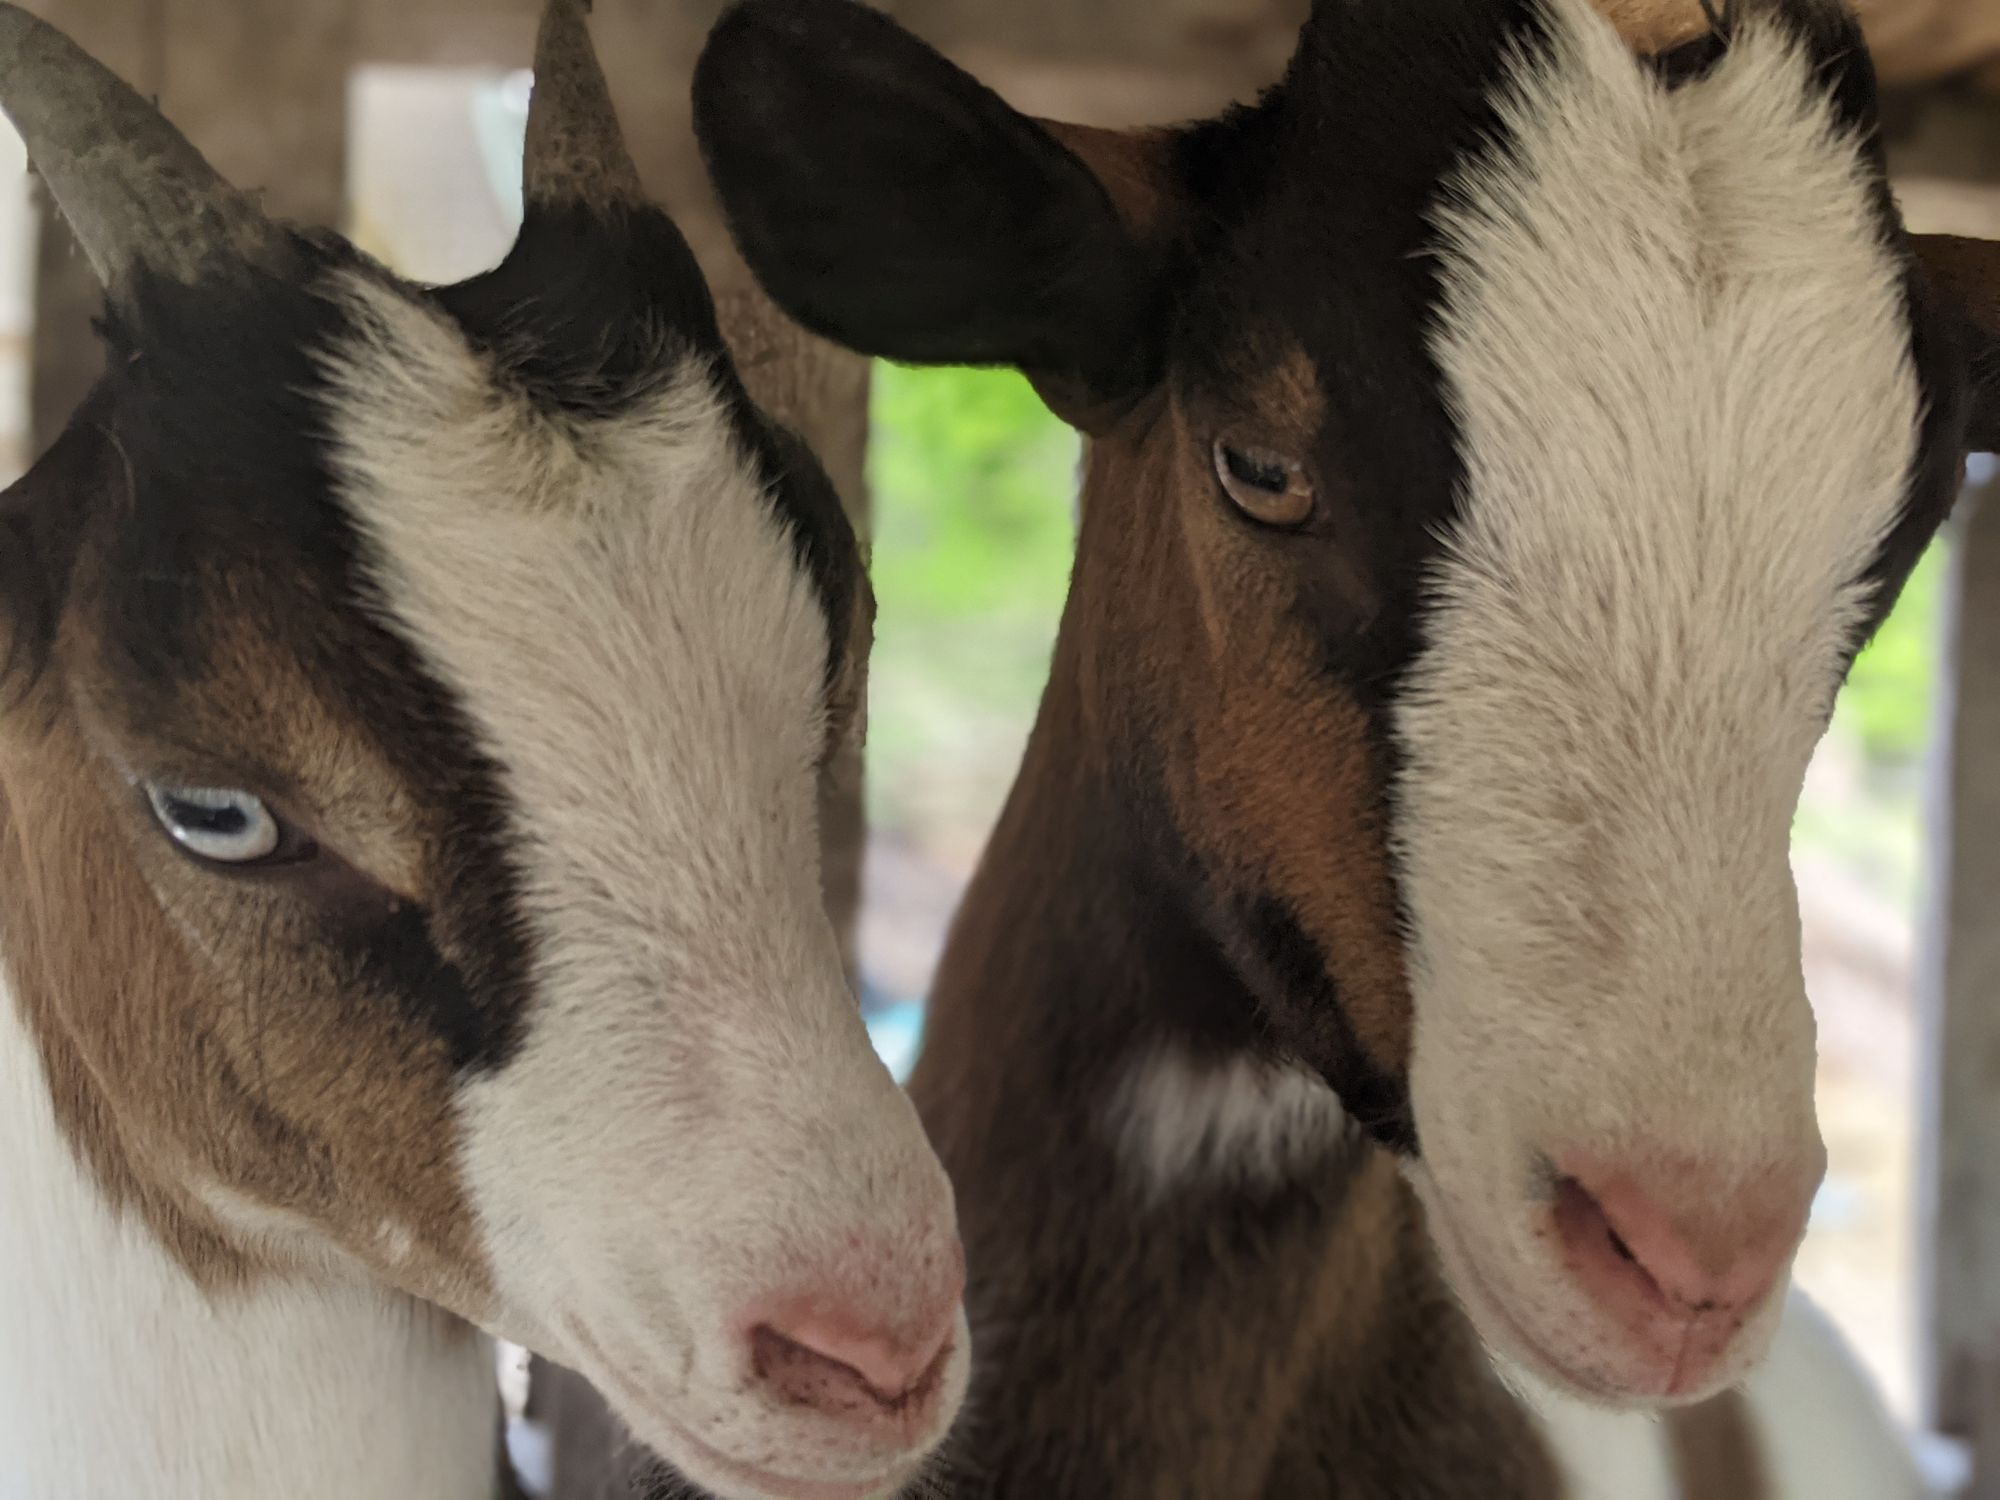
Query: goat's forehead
[(1648, 302), (654, 529), (628, 617), (1680, 350), (1674, 332), (257, 512)]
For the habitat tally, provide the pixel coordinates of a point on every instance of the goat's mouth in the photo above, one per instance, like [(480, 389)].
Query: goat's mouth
[(1495, 1320), (1562, 1343), (649, 1413)]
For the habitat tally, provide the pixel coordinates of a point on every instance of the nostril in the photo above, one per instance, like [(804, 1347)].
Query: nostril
[(1673, 1246), (847, 1372), (1601, 1258)]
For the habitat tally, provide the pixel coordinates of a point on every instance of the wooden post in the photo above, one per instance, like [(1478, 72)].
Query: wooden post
[(1958, 1183), (260, 86)]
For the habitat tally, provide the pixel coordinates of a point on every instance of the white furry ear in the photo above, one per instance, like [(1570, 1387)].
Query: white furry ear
[(1969, 271)]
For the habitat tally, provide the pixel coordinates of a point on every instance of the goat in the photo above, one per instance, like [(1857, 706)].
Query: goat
[(415, 700), (1501, 439)]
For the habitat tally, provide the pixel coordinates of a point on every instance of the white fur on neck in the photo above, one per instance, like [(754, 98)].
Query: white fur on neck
[(120, 1378), (1178, 1120)]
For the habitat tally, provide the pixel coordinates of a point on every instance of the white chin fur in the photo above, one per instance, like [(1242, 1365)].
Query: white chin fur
[(796, 1463)]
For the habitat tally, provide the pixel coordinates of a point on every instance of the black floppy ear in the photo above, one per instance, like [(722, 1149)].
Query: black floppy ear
[(1969, 270), (42, 515), (892, 203), (25, 623)]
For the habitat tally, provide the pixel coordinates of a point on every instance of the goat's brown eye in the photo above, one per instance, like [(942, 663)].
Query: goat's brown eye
[(1269, 488)]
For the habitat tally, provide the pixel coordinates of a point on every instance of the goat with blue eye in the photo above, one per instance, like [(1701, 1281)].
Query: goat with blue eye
[(415, 705)]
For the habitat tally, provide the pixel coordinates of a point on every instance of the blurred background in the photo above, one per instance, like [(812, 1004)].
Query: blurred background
[(971, 486)]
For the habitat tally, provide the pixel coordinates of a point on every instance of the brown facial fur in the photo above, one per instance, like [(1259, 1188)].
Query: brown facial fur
[(1267, 767), (199, 1034), (238, 1053), (1655, 26), (1312, 1348)]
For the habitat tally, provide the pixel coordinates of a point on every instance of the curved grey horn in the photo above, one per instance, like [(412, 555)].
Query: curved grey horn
[(576, 152), (137, 195)]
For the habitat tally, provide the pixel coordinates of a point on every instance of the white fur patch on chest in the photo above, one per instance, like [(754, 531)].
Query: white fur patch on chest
[(1178, 1120)]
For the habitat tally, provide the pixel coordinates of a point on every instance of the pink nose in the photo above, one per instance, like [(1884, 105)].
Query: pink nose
[(835, 1364), (1676, 1259)]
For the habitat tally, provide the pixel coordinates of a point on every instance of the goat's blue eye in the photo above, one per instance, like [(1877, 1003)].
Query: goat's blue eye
[(218, 824)]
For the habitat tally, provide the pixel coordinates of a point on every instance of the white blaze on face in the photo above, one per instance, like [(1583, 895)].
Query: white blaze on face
[(695, 1120), (1678, 353)]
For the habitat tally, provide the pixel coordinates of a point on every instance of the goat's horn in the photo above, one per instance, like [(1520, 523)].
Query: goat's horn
[(1648, 26), (1655, 26), (136, 194), (576, 152)]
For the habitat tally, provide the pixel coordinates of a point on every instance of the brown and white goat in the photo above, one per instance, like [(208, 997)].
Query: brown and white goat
[(409, 900), (1501, 440)]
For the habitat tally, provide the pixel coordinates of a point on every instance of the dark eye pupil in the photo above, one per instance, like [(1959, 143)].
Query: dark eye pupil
[(1267, 475), (222, 821)]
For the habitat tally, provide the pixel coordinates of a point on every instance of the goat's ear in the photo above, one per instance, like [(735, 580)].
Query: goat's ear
[(22, 611), (891, 202), (1969, 271), (40, 528)]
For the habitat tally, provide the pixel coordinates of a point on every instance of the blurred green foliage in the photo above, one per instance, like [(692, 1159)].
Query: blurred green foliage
[(1863, 808), (974, 480), (1886, 705), (974, 484)]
